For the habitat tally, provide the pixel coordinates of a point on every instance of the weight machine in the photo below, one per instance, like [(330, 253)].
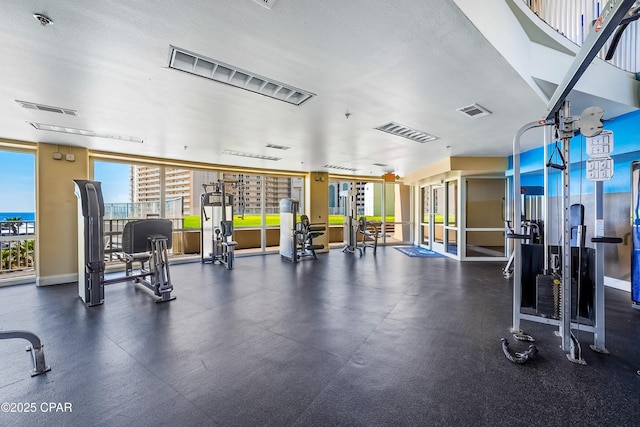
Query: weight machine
[(350, 222), (572, 264), (590, 125), (144, 240), (532, 224), (216, 224), (296, 237)]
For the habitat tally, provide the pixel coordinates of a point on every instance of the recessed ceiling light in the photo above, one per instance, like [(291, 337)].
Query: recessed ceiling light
[(474, 111), (192, 63), (251, 155), (84, 132), (406, 132), (48, 108)]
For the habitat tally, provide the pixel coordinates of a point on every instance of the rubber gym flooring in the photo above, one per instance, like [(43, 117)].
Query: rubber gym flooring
[(344, 340)]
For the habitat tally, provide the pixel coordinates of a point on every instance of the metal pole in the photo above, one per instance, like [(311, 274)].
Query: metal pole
[(599, 332), (517, 218), (545, 199), (565, 303)]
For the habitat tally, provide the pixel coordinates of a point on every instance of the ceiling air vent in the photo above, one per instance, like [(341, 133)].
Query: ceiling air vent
[(83, 132), (406, 132), (192, 63), (266, 3), (342, 168), (382, 165), (474, 111), (48, 108), (250, 155)]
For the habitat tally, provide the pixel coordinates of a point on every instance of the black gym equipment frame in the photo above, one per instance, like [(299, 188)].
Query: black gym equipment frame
[(143, 240)]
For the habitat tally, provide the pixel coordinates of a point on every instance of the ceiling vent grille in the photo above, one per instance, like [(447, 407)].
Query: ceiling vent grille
[(266, 3), (250, 155), (48, 108), (83, 132), (277, 147), (407, 132), (382, 165), (474, 111), (220, 72), (342, 168)]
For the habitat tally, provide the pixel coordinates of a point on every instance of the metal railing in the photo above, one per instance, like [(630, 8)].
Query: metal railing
[(573, 19), (17, 246)]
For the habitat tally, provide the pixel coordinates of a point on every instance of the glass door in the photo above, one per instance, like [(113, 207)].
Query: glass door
[(438, 211), (425, 218)]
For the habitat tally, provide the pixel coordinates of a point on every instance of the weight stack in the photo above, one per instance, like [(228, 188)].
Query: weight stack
[(548, 296)]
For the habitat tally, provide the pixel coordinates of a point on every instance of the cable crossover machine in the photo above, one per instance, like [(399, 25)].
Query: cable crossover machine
[(565, 286)]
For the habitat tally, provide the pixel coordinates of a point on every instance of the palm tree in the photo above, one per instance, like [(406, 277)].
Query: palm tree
[(14, 224)]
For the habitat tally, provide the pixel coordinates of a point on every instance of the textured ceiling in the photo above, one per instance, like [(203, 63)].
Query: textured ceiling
[(409, 61)]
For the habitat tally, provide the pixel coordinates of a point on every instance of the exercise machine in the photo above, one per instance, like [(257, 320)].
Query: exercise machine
[(572, 287), (369, 233), (296, 237), (37, 353), (557, 114), (350, 223), (145, 240), (216, 225), (531, 224)]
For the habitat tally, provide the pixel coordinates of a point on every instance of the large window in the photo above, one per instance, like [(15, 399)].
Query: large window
[(17, 213), (387, 204), (147, 191), (484, 218)]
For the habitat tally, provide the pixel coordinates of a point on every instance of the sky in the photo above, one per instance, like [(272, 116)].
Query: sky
[(17, 193), (115, 181)]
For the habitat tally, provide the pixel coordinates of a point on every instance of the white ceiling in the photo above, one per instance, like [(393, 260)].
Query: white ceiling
[(409, 61)]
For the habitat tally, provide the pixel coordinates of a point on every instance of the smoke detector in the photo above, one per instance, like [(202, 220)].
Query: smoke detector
[(42, 19)]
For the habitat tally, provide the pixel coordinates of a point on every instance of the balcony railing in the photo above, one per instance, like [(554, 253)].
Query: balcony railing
[(574, 18), (17, 246)]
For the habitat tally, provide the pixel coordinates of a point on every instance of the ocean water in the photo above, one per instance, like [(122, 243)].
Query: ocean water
[(26, 216)]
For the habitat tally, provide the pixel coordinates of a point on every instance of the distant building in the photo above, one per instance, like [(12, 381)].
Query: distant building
[(187, 186)]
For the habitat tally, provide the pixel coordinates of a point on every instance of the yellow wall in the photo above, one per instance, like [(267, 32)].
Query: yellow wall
[(402, 212), (453, 167), (317, 204), (56, 213)]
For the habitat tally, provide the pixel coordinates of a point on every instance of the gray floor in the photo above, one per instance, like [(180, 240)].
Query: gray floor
[(384, 340)]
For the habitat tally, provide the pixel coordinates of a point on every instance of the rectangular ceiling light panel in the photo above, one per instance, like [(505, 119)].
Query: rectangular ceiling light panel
[(406, 132), (342, 168), (83, 132), (250, 155), (47, 108), (220, 72)]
